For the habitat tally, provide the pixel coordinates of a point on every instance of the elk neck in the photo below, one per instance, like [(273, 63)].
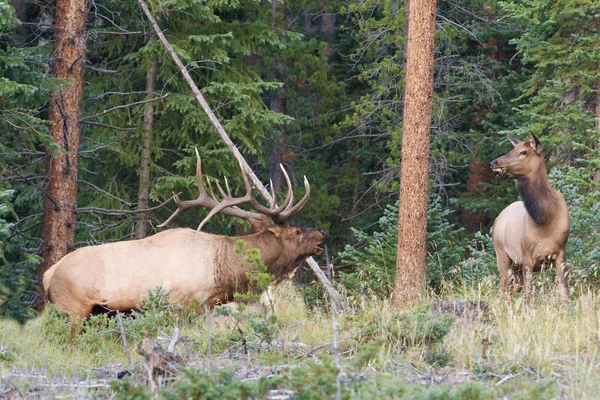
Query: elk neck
[(538, 196), (279, 260)]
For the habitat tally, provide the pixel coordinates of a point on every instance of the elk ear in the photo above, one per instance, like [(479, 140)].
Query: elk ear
[(535, 143), (513, 140), (275, 230), (257, 225)]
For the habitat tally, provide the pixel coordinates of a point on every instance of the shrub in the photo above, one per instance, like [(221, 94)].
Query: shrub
[(374, 258)]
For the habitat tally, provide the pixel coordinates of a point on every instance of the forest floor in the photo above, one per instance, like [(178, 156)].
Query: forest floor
[(472, 344)]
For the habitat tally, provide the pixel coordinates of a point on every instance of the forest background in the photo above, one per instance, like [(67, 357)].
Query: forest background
[(317, 87)]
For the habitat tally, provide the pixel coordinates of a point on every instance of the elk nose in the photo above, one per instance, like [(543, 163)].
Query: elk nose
[(493, 164), (322, 232)]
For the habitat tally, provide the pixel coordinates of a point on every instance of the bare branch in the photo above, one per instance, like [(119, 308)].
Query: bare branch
[(123, 106)]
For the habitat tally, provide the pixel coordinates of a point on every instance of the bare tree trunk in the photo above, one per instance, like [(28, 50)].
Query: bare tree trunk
[(60, 198), (20, 38), (412, 229), (145, 155), (597, 173)]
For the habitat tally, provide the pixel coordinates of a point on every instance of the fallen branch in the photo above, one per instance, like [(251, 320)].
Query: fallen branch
[(124, 336), (323, 278)]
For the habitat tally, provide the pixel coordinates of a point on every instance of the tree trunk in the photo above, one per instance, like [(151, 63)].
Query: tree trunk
[(60, 199), (412, 226), (597, 173), (145, 155)]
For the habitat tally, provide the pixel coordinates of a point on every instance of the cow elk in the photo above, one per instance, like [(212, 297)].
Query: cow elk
[(191, 265), (529, 233)]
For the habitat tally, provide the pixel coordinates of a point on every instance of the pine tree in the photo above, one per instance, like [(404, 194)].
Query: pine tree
[(414, 181), (60, 197)]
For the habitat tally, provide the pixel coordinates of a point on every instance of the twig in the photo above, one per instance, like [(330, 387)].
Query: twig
[(303, 355), (135, 103), (124, 336), (507, 378), (108, 211), (174, 340), (338, 394)]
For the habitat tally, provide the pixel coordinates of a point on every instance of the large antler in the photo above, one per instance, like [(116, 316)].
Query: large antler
[(229, 204)]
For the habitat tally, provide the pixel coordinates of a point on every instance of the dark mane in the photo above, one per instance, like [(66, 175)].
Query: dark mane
[(537, 196)]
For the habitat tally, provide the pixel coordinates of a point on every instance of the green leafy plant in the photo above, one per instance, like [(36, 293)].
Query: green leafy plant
[(250, 325)]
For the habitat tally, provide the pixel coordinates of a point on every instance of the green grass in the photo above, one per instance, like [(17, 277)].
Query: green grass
[(543, 348)]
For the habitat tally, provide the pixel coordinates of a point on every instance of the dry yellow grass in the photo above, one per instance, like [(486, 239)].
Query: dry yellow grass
[(517, 345)]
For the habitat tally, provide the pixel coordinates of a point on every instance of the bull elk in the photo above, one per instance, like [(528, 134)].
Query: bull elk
[(190, 265), (531, 232)]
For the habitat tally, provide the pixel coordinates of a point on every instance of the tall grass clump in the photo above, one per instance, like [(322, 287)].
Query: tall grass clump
[(542, 339)]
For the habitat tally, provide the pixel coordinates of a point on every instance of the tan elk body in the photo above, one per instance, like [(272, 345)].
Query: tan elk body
[(533, 231), (190, 265)]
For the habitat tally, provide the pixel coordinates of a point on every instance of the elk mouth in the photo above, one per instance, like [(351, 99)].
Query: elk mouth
[(499, 170), (319, 250)]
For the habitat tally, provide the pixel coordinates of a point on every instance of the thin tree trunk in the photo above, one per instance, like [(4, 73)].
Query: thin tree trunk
[(597, 173), (60, 197), (145, 155), (412, 229)]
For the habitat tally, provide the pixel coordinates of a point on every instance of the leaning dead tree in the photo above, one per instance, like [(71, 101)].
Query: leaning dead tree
[(230, 145)]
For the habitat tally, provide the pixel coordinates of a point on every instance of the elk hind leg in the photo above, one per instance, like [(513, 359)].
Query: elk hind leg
[(78, 315), (528, 278), (561, 263)]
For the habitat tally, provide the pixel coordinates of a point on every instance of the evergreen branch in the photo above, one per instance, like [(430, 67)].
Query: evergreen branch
[(107, 193), (136, 103)]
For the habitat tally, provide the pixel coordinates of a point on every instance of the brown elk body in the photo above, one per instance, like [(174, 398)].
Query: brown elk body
[(533, 231), (190, 265)]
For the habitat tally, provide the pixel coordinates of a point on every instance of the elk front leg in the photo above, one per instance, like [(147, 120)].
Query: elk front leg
[(561, 263), (517, 283), (504, 264), (528, 278)]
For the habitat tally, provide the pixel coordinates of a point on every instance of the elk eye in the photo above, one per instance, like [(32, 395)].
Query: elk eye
[(523, 152), (298, 232)]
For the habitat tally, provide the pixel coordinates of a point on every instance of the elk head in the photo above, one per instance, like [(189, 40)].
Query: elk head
[(523, 160), (273, 219)]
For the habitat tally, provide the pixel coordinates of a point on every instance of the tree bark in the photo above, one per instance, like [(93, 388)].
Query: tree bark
[(60, 197), (145, 156), (412, 228)]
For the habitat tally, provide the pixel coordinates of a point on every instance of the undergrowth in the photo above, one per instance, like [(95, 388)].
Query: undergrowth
[(518, 349)]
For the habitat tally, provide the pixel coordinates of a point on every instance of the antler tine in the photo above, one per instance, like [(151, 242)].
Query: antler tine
[(228, 206), (273, 198), (227, 186), (250, 199), (175, 213), (288, 212), (199, 178)]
